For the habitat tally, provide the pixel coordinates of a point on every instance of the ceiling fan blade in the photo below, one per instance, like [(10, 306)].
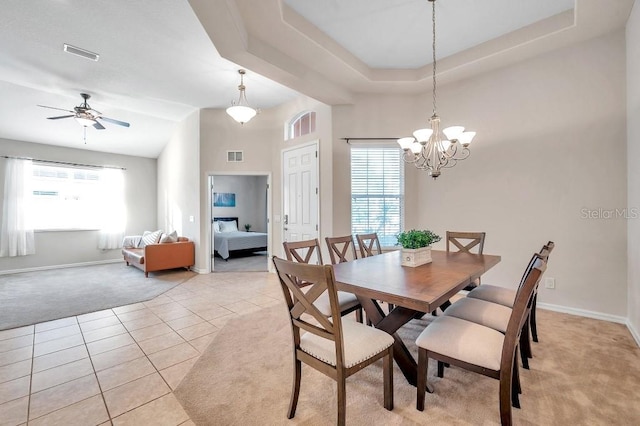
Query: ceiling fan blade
[(111, 120), (98, 126), (61, 109), (60, 116)]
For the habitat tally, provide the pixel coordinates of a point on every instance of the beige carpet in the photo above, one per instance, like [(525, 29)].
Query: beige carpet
[(33, 297), (584, 372)]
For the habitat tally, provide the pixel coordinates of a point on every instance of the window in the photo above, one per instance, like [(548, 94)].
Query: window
[(377, 192), (301, 125), (67, 198)]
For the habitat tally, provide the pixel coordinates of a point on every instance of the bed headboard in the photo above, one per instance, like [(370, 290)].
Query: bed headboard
[(226, 219)]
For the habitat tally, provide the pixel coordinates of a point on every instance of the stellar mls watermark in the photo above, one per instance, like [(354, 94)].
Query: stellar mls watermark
[(600, 213)]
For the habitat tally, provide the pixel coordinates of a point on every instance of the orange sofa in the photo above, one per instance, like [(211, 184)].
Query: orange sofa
[(161, 256)]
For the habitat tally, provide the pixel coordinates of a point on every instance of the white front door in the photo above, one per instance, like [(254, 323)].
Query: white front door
[(300, 193)]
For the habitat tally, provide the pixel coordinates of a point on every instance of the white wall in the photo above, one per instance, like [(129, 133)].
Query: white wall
[(633, 171), (251, 200), (57, 248), (178, 183), (551, 142)]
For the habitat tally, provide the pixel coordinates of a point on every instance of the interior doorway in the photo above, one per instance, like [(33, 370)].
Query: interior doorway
[(240, 226)]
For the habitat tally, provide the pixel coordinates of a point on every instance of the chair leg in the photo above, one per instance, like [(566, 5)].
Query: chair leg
[(525, 346), (342, 399), (359, 315), (440, 369), (295, 391), (387, 372), (505, 399), (534, 327), (515, 382), (421, 384), (391, 306)]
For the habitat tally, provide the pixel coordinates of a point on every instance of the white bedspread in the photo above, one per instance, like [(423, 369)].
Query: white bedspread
[(224, 242)]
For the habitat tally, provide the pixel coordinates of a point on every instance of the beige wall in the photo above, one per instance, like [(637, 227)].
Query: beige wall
[(59, 248), (551, 142), (633, 172), (178, 182), (262, 142)]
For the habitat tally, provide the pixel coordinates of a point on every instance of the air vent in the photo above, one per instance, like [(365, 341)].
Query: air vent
[(81, 52), (235, 156)]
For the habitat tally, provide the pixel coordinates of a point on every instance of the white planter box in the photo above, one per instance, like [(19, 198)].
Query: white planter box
[(416, 257)]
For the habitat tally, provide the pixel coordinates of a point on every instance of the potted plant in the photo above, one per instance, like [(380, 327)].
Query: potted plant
[(416, 246), (247, 226)]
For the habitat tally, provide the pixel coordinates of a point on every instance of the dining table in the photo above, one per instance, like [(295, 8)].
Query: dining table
[(413, 291)]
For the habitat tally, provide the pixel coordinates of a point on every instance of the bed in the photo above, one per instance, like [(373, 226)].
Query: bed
[(228, 240)]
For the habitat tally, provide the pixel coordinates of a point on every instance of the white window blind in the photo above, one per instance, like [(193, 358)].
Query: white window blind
[(377, 192)]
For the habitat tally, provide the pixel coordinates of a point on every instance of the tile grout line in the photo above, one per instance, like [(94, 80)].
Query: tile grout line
[(95, 373)]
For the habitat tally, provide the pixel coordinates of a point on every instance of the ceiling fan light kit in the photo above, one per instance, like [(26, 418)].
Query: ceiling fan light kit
[(427, 149), (85, 115), (241, 111)]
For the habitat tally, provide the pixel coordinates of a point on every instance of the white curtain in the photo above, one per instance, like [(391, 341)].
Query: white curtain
[(113, 209), (16, 233)]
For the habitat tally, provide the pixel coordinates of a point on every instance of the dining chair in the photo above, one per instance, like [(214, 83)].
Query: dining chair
[(336, 348), (506, 296), (478, 348), (496, 316), (341, 249), (466, 242), (369, 244), (302, 252)]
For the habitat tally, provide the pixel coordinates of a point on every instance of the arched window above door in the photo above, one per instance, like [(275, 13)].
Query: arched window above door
[(302, 124)]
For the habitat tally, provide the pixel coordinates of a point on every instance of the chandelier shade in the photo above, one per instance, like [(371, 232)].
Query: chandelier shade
[(241, 111), (429, 149)]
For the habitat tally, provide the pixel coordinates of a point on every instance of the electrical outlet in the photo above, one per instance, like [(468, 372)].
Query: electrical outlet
[(550, 283)]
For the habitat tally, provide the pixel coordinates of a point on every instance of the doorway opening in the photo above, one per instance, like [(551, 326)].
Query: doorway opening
[(240, 229)]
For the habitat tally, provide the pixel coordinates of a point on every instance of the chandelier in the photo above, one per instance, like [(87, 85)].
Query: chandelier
[(241, 111), (427, 149)]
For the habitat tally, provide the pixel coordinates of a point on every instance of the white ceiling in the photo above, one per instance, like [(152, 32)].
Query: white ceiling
[(158, 62)]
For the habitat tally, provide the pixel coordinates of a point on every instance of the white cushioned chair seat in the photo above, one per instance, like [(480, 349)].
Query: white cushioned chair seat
[(345, 300), (463, 340), (493, 293), (481, 312), (360, 343)]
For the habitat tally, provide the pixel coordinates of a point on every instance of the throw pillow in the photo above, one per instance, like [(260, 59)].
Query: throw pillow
[(150, 237), (228, 226), (169, 238), (216, 226)]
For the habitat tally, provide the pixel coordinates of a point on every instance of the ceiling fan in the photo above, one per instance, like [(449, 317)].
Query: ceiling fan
[(85, 115)]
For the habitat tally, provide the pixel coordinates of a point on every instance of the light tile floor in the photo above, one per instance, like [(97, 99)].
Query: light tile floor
[(119, 366)]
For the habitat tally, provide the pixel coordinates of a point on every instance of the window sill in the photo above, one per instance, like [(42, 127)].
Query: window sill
[(65, 230)]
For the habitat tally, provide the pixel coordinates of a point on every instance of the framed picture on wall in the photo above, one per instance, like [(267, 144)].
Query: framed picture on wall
[(224, 199)]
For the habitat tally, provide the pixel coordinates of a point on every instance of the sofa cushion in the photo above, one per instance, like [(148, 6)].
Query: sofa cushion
[(150, 238), (169, 238), (134, 255)]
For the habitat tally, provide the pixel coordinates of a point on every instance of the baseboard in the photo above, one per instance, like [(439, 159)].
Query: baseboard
[(633, 332), (70, 265), (199, 270), (583, 313)]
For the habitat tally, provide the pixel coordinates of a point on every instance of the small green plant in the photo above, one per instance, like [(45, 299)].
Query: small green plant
[(247, 226), (415, 239)]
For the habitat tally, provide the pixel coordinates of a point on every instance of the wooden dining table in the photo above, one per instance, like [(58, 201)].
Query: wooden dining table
[(414, 291)]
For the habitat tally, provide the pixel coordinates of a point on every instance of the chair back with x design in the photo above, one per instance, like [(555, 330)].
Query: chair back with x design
[(341, 249), (369, 244)]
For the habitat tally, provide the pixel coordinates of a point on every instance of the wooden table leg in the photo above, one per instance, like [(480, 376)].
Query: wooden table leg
[(391, 323)]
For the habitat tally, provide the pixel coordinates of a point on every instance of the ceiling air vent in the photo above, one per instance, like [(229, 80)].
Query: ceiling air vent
[(235, 156), (81, 52)]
